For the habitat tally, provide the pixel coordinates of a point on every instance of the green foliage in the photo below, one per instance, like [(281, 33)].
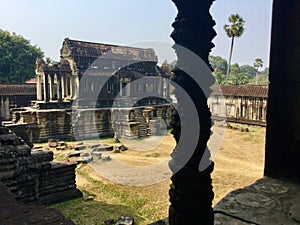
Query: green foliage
[(236, 26), (17, 58), (263, 78), (239, 75), (258, 63), (218, 63)]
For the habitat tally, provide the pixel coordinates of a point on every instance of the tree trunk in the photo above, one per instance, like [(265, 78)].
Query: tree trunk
[(229, 60)]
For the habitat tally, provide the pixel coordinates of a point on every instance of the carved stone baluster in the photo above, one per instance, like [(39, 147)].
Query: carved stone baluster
[(191, 192)]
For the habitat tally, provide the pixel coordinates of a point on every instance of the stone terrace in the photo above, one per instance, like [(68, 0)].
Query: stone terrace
[(32, 176)]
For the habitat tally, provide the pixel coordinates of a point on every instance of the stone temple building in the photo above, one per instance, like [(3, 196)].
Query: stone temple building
[(242, 104), (84, 65), (92, 83)]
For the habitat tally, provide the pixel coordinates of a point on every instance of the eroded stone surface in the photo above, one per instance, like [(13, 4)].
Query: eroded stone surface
[(267, 201), (252, 199), (295, 211)]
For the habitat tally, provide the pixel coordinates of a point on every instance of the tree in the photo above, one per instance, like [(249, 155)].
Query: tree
[(219, 66), (234, 29), (250, 70), (257, 63), (17, 58)]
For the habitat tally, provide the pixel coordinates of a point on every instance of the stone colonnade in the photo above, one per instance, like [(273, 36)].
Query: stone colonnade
[(49, 83)]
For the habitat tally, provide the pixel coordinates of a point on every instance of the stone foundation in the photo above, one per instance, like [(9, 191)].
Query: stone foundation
[(80, 124)]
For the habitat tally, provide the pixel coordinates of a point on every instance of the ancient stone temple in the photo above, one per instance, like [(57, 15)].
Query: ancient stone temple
[(92, 91), (101, 71)]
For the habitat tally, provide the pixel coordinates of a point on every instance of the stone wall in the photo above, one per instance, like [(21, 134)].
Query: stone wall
[(31, 175), (79, 124), (240, 109)]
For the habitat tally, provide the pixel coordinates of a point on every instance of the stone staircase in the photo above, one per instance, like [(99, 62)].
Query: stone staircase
[(143, 126)]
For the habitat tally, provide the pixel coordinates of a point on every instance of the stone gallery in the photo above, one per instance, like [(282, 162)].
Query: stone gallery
[(92, 85)]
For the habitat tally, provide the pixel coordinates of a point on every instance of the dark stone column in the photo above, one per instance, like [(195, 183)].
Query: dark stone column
[(51, 87), (59, 88), (38, 87), (283, 117), (46, 88), (191, 192)]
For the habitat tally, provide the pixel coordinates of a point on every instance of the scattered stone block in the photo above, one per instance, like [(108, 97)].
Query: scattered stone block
[(52, 143), (94, 146), (79, 147), (97, 154), (104, 147), (60, 148), (84, 154), (125, 220), (74, 154), (86, 159), (106, 158)]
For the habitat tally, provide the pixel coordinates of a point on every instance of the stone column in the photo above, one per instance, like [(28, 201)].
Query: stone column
[(71, 87), (51, 87), (120, 85), (39, 88), (191, 191), (46, 88), (283, 113), (59, 88), (63, 83), (67, 86)]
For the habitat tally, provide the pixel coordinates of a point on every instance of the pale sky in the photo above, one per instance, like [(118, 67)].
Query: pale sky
[(144, 23)]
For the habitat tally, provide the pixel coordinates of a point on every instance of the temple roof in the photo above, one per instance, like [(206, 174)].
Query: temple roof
[(17, 89), (77, 48), (260, 91)]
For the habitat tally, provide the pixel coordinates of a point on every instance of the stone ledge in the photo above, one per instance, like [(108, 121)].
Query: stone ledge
[(267, 201)]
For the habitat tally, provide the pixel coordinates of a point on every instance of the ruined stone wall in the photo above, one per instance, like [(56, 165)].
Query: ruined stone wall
[(32, 176)]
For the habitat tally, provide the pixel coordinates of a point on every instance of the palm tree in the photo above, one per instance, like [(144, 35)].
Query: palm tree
[(235, 29), (258, 63)]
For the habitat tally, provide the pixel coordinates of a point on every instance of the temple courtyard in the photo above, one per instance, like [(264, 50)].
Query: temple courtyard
[(238, 163)]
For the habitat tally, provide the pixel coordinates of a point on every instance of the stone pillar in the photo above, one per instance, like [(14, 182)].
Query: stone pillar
[(59, 88), (120, 85), (283, 113), (39, 88), (71, 87), (128, 91), (63, 83), (51, 87), (67, 86), (46, 88), (191, 191), (75, 90)]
